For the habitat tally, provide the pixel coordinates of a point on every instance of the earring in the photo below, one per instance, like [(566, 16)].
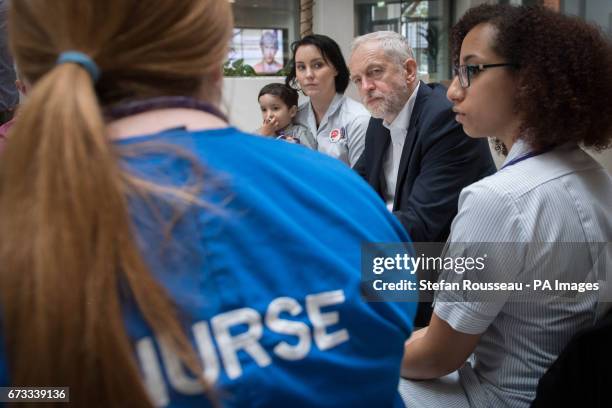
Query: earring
[(296, 85)]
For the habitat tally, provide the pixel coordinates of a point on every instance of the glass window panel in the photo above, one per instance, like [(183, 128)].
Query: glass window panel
[(594, 11), (424, 23)]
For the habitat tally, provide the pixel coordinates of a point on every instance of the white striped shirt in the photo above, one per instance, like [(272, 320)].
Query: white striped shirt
[(560, 196)]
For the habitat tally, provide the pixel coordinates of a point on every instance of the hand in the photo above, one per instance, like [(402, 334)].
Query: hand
[(269, 126)]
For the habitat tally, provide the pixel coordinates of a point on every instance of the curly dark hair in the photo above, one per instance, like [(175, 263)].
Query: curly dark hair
[(564, 72), (330, 50)]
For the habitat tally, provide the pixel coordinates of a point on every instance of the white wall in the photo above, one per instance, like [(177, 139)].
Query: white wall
[(336, 19)]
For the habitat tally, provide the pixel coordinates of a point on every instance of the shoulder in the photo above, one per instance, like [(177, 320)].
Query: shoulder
[(565, 184), (298, 128), (436, 122), (302, 112), (433, 104), (351, 107), (568, 163), (374, 126), (487, 212), (304, 108), (311, 184), (488, 189), (304, 135), (353, 113), (249, 159)]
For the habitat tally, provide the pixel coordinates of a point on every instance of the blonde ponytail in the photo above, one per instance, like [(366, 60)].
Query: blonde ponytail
[(66, 246)]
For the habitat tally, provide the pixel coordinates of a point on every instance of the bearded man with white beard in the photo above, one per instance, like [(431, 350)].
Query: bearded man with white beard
[(416, 156)]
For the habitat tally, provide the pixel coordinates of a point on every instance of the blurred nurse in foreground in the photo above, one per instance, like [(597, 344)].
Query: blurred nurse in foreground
[(153, 255)]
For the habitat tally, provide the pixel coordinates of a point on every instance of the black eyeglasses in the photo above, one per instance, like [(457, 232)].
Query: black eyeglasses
[(466, 72)]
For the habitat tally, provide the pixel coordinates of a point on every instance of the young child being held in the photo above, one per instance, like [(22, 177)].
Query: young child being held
[(278, 105)]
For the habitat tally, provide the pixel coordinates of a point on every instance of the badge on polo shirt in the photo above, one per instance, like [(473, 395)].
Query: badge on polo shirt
[(335, 135)]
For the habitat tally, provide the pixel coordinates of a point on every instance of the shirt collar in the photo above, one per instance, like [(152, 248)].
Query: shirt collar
[(333, 107), (402, 119), (335, 103), (519, 148)]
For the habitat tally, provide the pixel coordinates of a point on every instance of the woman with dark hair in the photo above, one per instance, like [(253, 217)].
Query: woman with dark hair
[(153, 255), (540, 83), (318, 68)]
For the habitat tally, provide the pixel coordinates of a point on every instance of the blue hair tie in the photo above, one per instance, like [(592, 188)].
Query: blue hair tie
[(83, 60)]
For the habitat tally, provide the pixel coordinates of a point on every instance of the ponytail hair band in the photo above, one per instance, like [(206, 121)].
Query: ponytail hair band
[(81, 59)]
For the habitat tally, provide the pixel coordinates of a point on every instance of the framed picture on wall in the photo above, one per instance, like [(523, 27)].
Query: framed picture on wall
[(262, 48)]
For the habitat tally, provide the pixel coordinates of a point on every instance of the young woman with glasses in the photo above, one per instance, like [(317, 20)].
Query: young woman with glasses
[(540, 83)]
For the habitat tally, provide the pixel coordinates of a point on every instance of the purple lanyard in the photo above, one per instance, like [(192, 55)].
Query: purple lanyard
[(163, 102), (525, 157)]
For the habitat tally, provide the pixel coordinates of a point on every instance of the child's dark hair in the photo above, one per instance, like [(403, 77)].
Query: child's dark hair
[(288, 95)]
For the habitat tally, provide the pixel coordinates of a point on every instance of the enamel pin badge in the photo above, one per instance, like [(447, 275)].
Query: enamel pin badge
[(335, 135)]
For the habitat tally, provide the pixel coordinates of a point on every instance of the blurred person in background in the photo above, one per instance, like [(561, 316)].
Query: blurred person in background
[(4, 128), (9, 96)]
